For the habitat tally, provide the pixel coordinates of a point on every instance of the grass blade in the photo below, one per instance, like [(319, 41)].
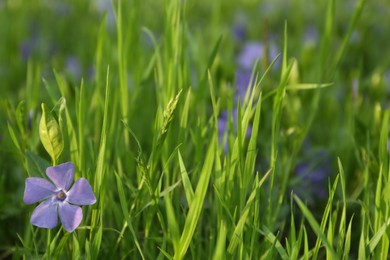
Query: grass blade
[(314, 225)]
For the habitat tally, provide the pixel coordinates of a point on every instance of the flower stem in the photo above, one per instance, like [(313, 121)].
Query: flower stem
[(48, 243)]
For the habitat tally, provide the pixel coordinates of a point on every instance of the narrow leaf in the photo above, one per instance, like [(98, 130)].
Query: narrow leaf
[(186, 181), (314, 225)]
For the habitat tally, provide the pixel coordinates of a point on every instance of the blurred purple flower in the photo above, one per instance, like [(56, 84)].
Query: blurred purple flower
[(388, 145), (239, 32), (386, 77), (355, 37), (223, 124), (61, 8), (58, 197), (91, 72), (243, 79), (104, 6), (311, 36), (31, 44), (253, 51), (73, 67), (248, 56), (355, 89), (313, 175), (270, 9), (27, 47)]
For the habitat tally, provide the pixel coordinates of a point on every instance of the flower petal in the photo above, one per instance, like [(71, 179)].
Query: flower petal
[(37, 189), (62, 175), (45, 215), (70, 216), (251, 52), (81, 193)]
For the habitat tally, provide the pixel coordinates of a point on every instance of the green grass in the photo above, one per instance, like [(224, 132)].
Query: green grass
[(144, 129)]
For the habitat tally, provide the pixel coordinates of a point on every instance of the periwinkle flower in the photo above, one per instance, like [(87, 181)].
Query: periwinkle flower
[(355, 89), (243, 79), (313, 175), (61, 8), (355, 37), (386, 78), (239, 32), (311, 36), (91, 72), (73, 67), (253, 51), (388, 146), (248, 56), (30, 46), (313, 179), (58, 197), (26, 49), (105, 6), (223, 121)]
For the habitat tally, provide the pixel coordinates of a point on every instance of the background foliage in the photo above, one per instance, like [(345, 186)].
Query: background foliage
[(150, 98)]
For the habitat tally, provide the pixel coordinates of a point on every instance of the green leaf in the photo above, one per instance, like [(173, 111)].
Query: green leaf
[(186, 181), (378, 236), (13, 136), (306, 253), (239, 229), (305, 86), (50, 134), (220, 249), (316, 228), (125, 211), (58, 249), (347, 244), (172, 223), (20, 116), (362, 245), (198, 201), (36, 166), (87, 249), (97, 240), (274, 240), (343, 219), (76, 248)]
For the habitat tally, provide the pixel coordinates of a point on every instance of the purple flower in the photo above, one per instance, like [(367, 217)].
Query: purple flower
[(388, 145), (30, 46), (386, 78), (91, 72), (355, 37), (58, 198), (239, 32), (313, 175), (253, 51), (26, 49), (105, 6), (243, 79), (223, 122), (73, 67), (311, 36), (355, 89)]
